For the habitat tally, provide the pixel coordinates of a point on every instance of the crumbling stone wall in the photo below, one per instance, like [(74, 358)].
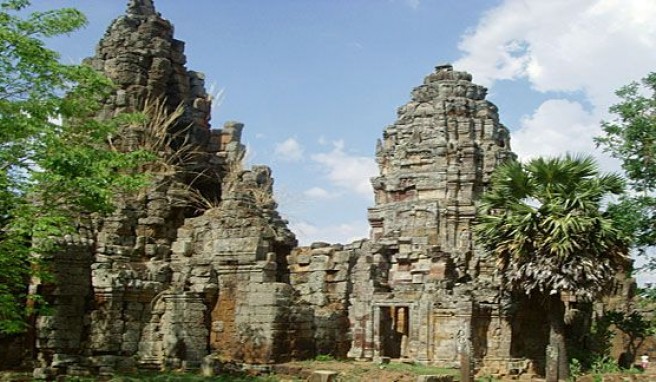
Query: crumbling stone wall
[(229, 255), (122, 301), (201, 263), (62, 332), (321, 276)]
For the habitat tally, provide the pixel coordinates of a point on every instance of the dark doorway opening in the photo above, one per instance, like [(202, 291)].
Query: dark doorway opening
[(530, 331), (394, 330)]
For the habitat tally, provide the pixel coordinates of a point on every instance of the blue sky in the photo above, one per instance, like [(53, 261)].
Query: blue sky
[(317, 81)]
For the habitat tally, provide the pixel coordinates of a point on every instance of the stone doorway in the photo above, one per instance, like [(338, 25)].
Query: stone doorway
[(394, 330)]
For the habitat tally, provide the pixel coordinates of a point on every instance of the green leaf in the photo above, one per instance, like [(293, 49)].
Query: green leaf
[(50, 174)]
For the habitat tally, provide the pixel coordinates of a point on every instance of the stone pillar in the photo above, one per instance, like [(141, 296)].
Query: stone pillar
[(375, 331), (421, 331), (499, 337), (465, 348), (466, 362), (360, 316), (361, 310)]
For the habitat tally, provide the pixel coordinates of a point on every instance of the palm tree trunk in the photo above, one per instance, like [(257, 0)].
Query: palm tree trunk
[(557, 366)]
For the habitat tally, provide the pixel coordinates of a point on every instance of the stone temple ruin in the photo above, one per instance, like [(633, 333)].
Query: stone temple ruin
[(200, 267)]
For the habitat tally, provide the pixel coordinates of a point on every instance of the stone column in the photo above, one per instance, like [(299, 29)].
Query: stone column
[(376, 333), (466, 362)]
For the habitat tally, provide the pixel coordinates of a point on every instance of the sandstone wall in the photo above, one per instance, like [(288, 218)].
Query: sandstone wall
[(229, 255), (321, 276), (62, 332)]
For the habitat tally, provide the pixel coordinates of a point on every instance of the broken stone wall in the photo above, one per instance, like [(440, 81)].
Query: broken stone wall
[(230, 255), (368, 275), (321, 278), (172, 279), (131, 253), (62, 332)]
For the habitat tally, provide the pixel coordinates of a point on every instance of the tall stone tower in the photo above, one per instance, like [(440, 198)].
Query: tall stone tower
[(114, 306), (435, 161), (423, 289), (141, 55)]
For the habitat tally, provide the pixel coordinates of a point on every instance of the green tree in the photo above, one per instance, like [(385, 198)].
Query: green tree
[(543, 222), (51, 173), (631, 138)]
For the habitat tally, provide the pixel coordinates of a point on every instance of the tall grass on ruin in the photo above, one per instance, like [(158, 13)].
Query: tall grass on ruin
[(157, 129)]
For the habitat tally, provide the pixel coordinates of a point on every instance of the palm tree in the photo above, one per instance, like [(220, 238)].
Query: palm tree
[(544, 223)]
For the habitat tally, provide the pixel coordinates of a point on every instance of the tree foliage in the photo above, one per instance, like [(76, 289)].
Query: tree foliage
[(55, 164), (543, 222), (631, 138)]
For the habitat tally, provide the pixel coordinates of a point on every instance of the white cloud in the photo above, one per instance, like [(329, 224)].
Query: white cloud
[(557, 126), (319, 193), (592, 47), (344, 233), (289, 150), (560, 126), (347, 171), (561, 45)]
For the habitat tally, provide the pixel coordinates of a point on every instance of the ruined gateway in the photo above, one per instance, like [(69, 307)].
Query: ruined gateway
[(163, 283)]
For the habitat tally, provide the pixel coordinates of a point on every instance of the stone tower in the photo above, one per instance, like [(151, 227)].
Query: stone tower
[(140, 54), (113, 304), (428, 287), (434, 162)]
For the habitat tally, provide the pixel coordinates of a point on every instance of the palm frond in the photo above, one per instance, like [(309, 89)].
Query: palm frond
[(543, 222)]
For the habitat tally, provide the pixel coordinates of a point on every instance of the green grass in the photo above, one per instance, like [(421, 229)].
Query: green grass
[(419, 369), (324, 358)]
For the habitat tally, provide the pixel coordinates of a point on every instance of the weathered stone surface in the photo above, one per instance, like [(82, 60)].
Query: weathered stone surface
[(420, 291), (323, 376), (119, 292), (234, 261), (321, 277), (200, 269)]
